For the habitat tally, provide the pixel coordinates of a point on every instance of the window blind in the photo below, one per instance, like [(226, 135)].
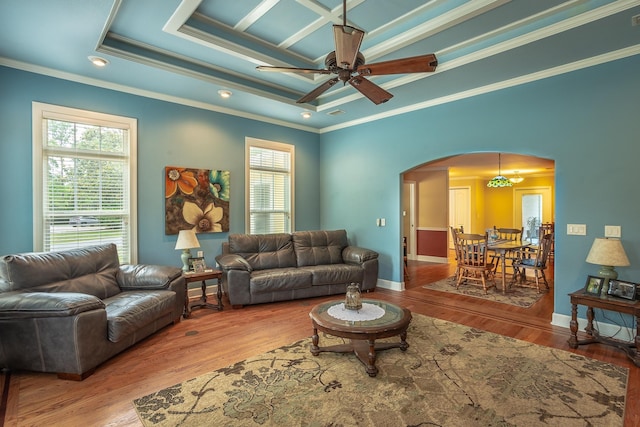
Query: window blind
[(269, 190)]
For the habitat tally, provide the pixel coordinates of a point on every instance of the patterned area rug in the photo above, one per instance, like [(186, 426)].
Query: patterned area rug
[(451, 375), (521, 296)]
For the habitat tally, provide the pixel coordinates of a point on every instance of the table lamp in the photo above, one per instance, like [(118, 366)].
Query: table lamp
[(607, 253), (186, 240)]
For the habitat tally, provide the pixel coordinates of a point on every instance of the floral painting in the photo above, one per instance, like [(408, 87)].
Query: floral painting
[(196, 199)]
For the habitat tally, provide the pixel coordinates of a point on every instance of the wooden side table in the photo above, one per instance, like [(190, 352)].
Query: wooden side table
[(608, 303), (202, 302)]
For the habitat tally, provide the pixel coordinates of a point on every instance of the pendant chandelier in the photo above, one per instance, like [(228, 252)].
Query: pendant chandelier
[(499, 180), (516, 179)]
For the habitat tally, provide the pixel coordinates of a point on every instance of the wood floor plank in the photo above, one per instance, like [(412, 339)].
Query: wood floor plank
[(210, 340)]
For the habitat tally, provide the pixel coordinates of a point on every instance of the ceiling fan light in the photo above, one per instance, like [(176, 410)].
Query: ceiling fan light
[(347, 41)]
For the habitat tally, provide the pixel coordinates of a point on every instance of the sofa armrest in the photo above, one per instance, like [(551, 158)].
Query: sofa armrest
[(14, 305), (356, 255), (146, 276), (233, 262)]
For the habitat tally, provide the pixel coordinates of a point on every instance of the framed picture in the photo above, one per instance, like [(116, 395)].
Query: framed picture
[(593, 286), (197, 264), (620, 289)]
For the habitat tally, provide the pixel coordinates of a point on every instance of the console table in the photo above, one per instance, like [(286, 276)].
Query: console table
[(609, 303), (202, 302)]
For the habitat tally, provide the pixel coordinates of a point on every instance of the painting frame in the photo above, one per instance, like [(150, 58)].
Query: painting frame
[(196, 199), (593, 285), (623, 289)]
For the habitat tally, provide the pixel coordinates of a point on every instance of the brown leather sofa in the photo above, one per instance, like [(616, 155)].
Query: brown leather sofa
[(67, 312), (276, 267)]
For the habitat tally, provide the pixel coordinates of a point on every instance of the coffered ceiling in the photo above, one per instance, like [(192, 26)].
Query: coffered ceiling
[(187, 51)]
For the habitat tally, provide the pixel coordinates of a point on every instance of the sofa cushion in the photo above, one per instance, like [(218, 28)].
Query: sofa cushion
[(102, 284), (32, 270), (319, 247), (280, 279), (334, 274), (130, 311), (264, 251)]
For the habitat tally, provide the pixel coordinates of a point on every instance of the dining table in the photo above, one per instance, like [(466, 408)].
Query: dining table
[(501, 247)]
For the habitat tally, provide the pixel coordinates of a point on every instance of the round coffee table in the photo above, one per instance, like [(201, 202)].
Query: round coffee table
[(361, 333)]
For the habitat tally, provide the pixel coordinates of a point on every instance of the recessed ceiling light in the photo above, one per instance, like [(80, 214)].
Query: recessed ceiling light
[(306, 114), (98, 61), (224, 93)]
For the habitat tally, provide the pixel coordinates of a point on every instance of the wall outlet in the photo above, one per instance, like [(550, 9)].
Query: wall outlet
[(200, 254)]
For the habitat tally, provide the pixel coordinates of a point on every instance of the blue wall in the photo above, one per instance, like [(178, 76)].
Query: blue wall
[(587, 121), (168, 135)]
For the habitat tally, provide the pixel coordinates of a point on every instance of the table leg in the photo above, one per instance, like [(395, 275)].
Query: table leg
[(371, 367), (315, 339), (204, 291), (503, 263), (590, 316), (219, 295), (187, 312), (573, 326)]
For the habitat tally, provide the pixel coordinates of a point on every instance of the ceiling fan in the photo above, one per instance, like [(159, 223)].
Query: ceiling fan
[(349, 64)]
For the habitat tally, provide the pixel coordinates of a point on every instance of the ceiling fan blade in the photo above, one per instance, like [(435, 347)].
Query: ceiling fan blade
[(318, 91), (292, 70), (414, 64), (375, 93), (348, 40)]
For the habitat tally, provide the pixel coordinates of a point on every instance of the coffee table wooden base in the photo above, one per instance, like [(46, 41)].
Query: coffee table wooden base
[(365, 350)]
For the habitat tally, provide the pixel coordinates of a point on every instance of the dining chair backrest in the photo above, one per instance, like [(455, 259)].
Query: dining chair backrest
[(548, 227), (543, 250), (472, 249), (514, 234)]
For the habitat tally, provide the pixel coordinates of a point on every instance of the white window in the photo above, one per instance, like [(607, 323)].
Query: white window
[(269, 186), (84, 167)]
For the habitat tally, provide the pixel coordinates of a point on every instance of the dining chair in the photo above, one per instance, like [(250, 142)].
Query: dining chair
[(536, 261), (455, 231), (547, 228), (473, 260)]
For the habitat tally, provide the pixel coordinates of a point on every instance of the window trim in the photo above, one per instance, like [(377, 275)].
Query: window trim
[(40, 113), (270, 145)]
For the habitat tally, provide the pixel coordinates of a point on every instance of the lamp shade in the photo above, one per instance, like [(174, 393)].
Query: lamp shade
[(187, 239), (608, 252)]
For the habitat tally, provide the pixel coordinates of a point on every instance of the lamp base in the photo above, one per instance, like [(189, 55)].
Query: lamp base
[(608, 273), (186, 254)]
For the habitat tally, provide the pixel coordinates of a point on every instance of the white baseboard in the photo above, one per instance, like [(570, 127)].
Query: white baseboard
[(428, 258), (388, 284), (605, 329)]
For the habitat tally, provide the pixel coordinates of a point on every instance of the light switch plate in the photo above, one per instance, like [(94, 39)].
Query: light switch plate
[(612, 231), (577, 229)]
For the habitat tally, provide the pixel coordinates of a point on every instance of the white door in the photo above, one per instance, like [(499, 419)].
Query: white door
[(532, 204), (459, 209)]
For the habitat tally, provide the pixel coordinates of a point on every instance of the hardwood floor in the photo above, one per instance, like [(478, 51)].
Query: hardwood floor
[(210, 340)]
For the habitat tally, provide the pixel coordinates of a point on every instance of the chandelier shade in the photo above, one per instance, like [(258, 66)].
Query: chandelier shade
[(499, 180)]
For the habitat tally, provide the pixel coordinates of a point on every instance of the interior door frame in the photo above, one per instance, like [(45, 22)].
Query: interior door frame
[(410, 211)]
